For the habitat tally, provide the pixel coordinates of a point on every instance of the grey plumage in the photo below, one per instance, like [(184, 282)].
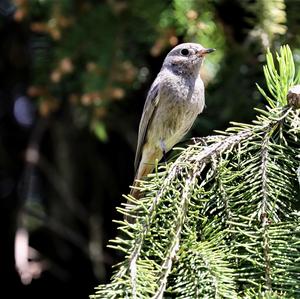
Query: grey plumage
[(173, 102)]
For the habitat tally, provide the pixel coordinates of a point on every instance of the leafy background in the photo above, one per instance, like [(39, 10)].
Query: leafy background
[(73, 79)]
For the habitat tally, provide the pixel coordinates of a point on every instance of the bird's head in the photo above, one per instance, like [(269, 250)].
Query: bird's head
[(186, 57)]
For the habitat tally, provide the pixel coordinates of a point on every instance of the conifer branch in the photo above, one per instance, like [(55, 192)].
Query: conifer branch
[(263, 209), (184, 204), (222, 219)]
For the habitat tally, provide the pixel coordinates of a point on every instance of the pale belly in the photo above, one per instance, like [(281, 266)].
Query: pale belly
[(173, 118)]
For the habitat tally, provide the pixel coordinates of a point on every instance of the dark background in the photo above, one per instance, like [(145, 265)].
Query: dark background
[(73, 80)]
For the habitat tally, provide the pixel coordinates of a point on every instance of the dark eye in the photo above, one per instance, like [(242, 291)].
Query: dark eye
[(184, 52)]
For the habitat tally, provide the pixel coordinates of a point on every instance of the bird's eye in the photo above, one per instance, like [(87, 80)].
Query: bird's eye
[(184, 52)]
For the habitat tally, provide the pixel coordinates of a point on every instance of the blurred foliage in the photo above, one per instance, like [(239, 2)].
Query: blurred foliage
[(72, 60), (93, 53), (84, 68), (271, 20)]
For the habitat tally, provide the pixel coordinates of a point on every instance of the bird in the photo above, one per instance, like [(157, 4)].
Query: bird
[(174, 100)]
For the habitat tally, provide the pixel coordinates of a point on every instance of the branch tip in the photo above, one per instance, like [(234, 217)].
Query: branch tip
[(293, 96)]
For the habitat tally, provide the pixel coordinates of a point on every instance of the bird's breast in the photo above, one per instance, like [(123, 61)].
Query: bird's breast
[(185, 92), (179, 104)]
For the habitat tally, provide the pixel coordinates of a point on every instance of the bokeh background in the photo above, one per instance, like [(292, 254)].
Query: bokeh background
[(74, 75)]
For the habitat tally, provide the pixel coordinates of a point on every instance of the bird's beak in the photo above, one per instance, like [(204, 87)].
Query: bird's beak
[(205, 51)]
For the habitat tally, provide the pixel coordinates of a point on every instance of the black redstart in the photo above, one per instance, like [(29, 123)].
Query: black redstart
[(173, 102)]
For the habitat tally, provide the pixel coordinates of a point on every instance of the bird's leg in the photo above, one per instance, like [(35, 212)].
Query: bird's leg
[(164, 150)]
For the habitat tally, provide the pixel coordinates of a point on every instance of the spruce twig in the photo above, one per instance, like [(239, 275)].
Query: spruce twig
[(221, 220)]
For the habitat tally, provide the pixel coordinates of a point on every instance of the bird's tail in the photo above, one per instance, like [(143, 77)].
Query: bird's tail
[(149, 159), (143, 170)]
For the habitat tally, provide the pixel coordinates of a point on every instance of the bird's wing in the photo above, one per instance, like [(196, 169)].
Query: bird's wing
[(147, 116)]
